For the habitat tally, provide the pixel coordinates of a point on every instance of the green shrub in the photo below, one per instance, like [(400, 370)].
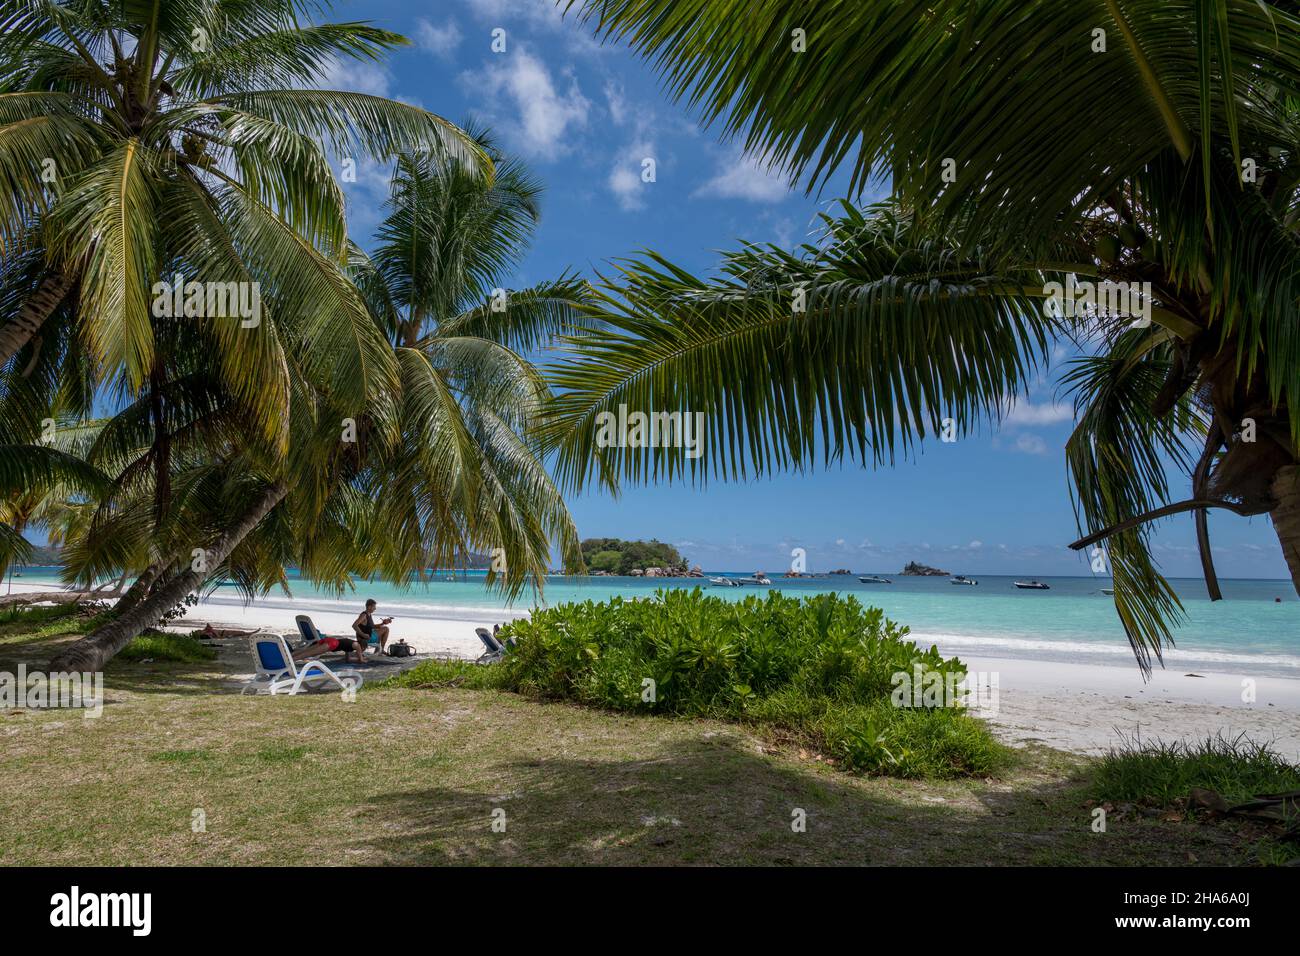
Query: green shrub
[(158, 646), (1160, 773), (822, 668)]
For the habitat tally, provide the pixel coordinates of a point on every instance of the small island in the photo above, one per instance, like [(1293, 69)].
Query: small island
[(923, 570), (651, 559)]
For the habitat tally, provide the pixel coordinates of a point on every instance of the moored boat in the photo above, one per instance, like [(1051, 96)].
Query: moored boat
[(874, 579), (724, 582), (1033, 586), (962, 579)]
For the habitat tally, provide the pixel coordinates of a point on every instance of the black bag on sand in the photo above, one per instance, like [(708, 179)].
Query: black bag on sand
[(401, 649)]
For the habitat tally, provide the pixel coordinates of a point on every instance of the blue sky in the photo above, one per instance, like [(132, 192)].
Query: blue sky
[(585, 117)]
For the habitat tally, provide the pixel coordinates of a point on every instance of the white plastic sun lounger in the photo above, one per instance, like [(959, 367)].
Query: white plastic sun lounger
[(279, 673)]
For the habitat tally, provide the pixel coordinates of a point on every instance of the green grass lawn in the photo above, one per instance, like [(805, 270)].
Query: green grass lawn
[(404, 776)]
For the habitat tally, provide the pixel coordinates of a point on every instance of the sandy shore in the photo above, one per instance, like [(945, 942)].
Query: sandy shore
[(1088, 707), (449, 634), (1085, 708)]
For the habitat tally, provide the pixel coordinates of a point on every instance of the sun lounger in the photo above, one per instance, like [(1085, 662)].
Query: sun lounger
[(493, 648), (310, 634), (279, 673)]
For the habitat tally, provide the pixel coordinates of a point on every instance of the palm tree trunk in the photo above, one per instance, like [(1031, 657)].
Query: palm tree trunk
[(1286, 518), (93, 651), (162, 447), (137, 591), (19, 330)]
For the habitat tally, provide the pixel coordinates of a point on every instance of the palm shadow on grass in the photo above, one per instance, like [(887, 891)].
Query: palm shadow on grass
[(720, 802)]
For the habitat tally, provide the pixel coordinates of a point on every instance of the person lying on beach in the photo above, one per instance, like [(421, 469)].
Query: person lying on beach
[(327, 645), (368, 632), (211, 632)]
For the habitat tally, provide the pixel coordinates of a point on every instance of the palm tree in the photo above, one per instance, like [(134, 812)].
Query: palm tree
[(1028, 142), (465, 472), (441, 464), (140, 142)]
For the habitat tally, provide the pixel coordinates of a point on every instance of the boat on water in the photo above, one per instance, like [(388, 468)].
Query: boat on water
[(1107, 590), (1033, 586), (962, 579), (756, 578), (724, 582), (874, 579)]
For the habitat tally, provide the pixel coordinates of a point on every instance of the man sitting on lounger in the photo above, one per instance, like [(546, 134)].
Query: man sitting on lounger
[(368, 632)]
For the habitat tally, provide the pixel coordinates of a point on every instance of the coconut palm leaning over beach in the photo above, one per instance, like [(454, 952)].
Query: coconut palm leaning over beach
[(436, 467), (1027, 141), (144, 141)]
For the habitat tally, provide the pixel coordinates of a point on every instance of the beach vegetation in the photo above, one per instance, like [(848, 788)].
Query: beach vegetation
[(820, 669), (162, 646), (1163, 774)]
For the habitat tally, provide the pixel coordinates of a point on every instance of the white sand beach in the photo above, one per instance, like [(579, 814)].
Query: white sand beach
[(1084, 708), (1087, 707)]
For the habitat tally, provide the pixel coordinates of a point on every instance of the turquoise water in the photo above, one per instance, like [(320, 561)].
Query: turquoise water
[(1073, 621)]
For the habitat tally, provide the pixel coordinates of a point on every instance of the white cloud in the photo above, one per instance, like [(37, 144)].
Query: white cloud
[(741, 176), (1031, 444), (357, 76), (627, 177), (1027, 414), (627, 187), (440, 41), (975, 545), (545, 116), (784, 229), (616, 100)]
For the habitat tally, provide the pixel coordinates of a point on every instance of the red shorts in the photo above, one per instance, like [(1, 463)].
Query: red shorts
[(332, 643)]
